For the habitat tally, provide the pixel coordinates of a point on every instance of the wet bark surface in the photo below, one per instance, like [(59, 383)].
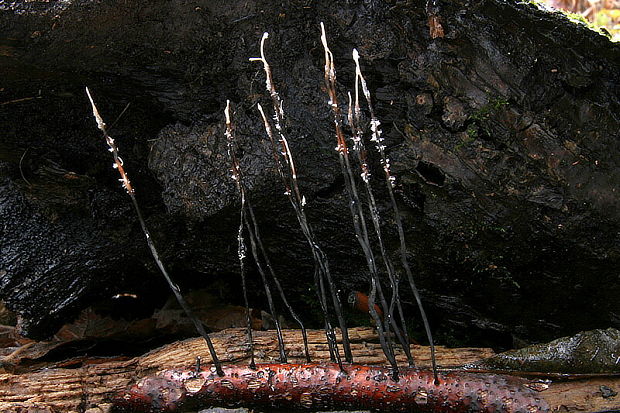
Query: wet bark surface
[(503, 136), (325, 386), (94, 385)]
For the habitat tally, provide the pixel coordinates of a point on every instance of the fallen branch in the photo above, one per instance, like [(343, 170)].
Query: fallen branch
[(328, 386), (94, 385)]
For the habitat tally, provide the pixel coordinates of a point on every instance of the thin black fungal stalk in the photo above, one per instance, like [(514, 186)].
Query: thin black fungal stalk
[(263, 276), (118, 164), (360, 150), (238, 178), (359, 222), (359, 147), (278, 118), (377, 139), (241, 249), (276, 281), (320, 261), (257, 244), (298, 202)]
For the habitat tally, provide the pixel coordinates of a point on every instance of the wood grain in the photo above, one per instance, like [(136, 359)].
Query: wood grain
[(89, 388)]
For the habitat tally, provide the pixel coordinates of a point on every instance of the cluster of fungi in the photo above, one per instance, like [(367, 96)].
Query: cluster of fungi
[(341, 383)]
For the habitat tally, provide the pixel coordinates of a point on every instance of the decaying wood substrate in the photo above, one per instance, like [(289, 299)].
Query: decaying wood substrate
[(502, 135), (90, 388), (327, 386)]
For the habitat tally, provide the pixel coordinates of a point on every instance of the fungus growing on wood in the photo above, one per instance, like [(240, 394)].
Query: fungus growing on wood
[(118, 165)]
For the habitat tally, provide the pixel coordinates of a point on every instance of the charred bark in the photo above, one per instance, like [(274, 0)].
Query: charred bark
[(501, 123)]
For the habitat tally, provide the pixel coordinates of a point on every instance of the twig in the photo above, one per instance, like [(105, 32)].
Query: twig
[(9, 102), (21, 170), (119, 117)]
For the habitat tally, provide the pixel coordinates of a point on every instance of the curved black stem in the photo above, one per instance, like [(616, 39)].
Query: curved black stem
[(177, 291), (118, 165), (276, 281)]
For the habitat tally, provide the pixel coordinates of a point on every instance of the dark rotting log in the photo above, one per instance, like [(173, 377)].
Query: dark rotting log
[(502, 132)]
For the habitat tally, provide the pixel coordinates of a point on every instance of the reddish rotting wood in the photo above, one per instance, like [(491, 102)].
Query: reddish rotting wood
[(326, 386)]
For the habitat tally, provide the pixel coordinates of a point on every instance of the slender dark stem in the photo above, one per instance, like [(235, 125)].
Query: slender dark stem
[(237, 176), (176, 290), (256, 242), (414, 289), (241, 254), (241, 248), (329, 330), (361, 234), (276, 281), (359, 222), (389, 179), (360, 150), (118, 117), (298, 201), (261, 271), (118, 164), (21, 171)]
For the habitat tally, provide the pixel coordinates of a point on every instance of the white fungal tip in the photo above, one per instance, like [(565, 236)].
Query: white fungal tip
[(100, 123), (356, 55), (323, 35), (227, 111)]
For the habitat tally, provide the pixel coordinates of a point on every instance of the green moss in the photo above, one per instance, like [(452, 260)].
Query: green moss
[(580, 19), (605, 19), (477, 120), (472, 135), (576, 17), (485, 112), (573, 17), (537, 3)]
